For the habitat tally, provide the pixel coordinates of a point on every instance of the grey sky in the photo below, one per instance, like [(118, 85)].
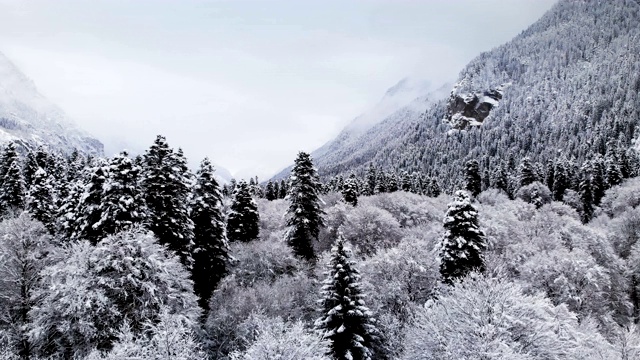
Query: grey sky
[(247, 83)]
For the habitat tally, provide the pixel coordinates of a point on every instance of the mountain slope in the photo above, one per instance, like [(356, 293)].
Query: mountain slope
[(30, 119), (567, 86), (405, 100)]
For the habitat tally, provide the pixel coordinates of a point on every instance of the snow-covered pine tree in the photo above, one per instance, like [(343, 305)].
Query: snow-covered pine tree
[(243, 221), (434, 188), (346, 321), (304, 216), (39, 201), (500, 178), (8, 156), (526, 173), (549, 174), (473, 181), (122, 204), (586, 192), (12, 189), (29, 168), (269, 192), (166, 184), (79, 222), (350, 191), (613, 172), (561, 180), (463, 242), (211, 250), (405, 181), (372, 177), (276, 190), (283, 189)]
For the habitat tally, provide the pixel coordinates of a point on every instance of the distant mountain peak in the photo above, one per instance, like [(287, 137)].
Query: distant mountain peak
[(30, 119)]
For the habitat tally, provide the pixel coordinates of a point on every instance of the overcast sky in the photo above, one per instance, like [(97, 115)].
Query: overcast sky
[(247, 83)]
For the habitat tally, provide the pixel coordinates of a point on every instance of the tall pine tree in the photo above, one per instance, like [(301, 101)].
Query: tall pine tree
[(243, 223), (473, 181), (122, 204), (346, 321), (166, 183), (40, 203), (304, 216), (211, 250), (463, 242)]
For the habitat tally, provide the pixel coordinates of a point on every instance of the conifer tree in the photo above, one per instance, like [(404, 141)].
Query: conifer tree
[(561, 180), (346, 321), (9, 155), (463, 242), (211, 250), (269, 192), (40, 203), (284, 188), (434, 188), (350, 191), (526, 173), (598, 180), (405, 182), (392, 183), (473, 181), (243, 223), (550, 175), (613, 173), (166, 183), (370, 187), (304, 216), (12, 189), (79, 222), (381, 183), (276, 190), (586, 192), (121, 204), (500, 178), (30, 167)]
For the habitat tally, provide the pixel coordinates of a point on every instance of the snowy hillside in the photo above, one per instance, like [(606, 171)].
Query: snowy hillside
[(29, 118), (567, 85), (405, 100)]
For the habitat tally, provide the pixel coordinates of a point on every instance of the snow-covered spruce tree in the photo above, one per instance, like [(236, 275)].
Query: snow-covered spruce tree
[(561, 180), (29, 168), (270, 192), (433, 188), (12, 189), (613, 172), (463, 242), (346, 321), (211, 250), (350, 191), (40, 203), (586, 190), (304, 216), (500, 178), (243, 223), (166, 184), (79, 222), (370, 187), (122, 205), (473, 182), (526, 173)]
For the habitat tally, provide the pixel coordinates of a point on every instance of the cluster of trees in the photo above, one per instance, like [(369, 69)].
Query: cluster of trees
[(108, 274)]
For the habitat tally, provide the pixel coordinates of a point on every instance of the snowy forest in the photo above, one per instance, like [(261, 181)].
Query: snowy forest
[(139, 258), (502, 223)]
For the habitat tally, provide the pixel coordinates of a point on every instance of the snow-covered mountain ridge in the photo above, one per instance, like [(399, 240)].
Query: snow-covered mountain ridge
[(567, 86), (30, 119)]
